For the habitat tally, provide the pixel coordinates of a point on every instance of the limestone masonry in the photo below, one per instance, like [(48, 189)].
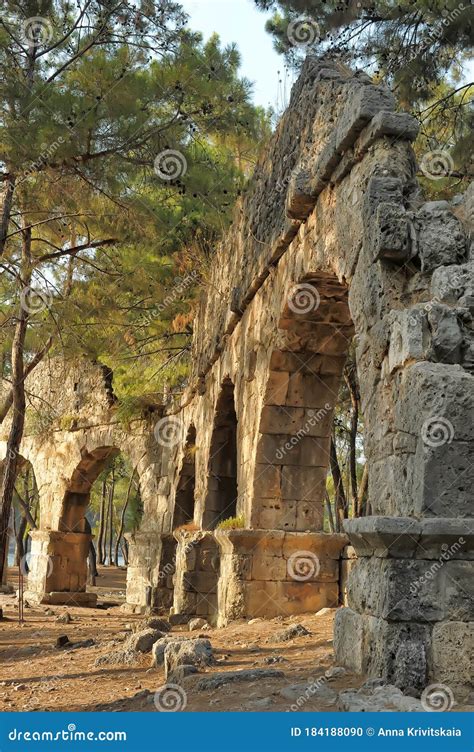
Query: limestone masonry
[(332, 241)]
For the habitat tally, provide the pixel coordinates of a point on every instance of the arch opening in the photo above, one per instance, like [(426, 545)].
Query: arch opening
[(184, 501), (294, 446), (222, 493)]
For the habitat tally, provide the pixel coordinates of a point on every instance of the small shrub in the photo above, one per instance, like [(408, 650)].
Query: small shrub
[(232, 523)]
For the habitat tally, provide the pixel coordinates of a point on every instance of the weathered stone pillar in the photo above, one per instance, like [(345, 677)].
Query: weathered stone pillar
[(197, 574), (58, 568), (144, 552), (270, 572)]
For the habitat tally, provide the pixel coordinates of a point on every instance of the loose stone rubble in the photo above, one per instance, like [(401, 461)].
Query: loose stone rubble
[(332, 239)]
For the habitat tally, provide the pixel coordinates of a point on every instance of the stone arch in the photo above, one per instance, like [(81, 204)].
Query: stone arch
[(304, 374), (77, 496), (222, 491)]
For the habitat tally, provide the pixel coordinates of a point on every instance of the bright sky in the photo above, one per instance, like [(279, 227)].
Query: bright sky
[(239, 21)]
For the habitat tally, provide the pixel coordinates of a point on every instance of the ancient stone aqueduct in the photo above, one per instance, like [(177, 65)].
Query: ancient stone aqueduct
[(332, 240)]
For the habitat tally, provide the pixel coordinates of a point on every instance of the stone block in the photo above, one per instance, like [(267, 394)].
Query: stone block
[(363, 104), (447, 337), (399, 124), (394, 537), (267, 481), (448, 537), (453, 657), (300, 450), (281, 420), (303, 483), (309, 515), (349, 640), (398, 589), (300, 198), (312, 391), (268, 568), (409, 338), (392, 242), (441, 238), (277, 388)]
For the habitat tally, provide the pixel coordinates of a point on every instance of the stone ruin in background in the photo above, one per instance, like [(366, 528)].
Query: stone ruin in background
[(331, 244)]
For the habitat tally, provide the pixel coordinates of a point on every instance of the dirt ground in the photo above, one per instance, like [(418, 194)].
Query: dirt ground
[(36, 675)]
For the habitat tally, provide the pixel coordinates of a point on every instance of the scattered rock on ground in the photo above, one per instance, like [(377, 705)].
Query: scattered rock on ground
[(273, 659), (259, 703), (301, 693), (155, 623), (177, 619), (255, 621), (295, 630), (197, 624), (158, 649), (143, 641), (64, 618), (335, 672), (191, 652), (81, 644), (181, 672), (62, 641), (383, 698), (125, 657), (225, 677)]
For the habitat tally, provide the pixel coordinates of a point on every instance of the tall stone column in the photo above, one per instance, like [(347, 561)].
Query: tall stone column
[(58, 568), (410, 614)]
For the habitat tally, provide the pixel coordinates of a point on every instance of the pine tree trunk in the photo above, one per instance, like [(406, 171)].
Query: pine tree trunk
[(102, 528), (111, 518), (19, 405), (341, 502), (122, 518)]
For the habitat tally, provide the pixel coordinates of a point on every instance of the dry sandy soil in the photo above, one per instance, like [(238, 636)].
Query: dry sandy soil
[(36, 675)]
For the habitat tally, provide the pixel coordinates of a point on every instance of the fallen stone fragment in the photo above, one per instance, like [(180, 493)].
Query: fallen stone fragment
[(158, 649), (378, 699), (143, 641), (62, 641), (225, 677), (284, 635), (64, 618), (197, 624), (188, 652), (117, 657), (335, 672)]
